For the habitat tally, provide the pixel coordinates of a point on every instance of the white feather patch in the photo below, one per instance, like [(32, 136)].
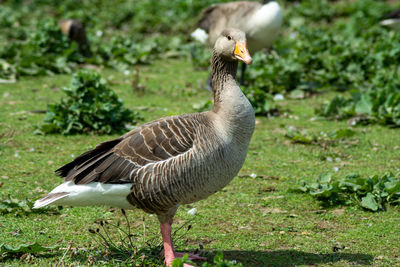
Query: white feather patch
[(92, 194), (200, 35), (264, 25), (392, 23)]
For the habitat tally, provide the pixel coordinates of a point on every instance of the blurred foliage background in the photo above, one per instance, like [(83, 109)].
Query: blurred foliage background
[(333, 51), (324, 45)]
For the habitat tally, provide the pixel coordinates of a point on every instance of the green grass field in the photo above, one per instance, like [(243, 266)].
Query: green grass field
[(256, 221)]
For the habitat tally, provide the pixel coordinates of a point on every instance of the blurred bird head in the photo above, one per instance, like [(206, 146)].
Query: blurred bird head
[(231, 45)]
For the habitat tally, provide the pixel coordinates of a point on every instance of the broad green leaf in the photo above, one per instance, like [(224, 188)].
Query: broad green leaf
[(392, 186), (325, 177), (371, 193), (364, 106), (177, 262), (369, 202), (297, 94)]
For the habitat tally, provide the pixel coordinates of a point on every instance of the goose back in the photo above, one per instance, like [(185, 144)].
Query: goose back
[(261, 23)]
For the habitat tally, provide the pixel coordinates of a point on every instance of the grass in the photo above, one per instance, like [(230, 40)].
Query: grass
[(256, 221)]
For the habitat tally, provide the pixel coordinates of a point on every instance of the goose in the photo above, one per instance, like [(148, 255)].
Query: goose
[(260, 22), (170, 161), (392, 20), (75, 30)]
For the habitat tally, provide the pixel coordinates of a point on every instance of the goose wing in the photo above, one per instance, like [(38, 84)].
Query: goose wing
[(113, 161)]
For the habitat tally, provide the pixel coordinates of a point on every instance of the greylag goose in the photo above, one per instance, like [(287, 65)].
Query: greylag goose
[(75, 30), (171, 161), (392, 20), (260, 22)]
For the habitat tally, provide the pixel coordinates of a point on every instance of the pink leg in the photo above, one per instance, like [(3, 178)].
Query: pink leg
[(169, 251)]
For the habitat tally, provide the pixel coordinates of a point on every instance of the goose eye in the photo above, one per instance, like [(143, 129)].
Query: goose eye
[(229, 37)]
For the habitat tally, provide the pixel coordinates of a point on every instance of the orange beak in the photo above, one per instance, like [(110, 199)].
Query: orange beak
[(242, 54)]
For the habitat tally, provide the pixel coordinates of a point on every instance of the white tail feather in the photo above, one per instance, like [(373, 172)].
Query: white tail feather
[(48, 199), (92, 194), (392, 23)]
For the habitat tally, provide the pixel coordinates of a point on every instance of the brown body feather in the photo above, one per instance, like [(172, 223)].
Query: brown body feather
[(75, 30)]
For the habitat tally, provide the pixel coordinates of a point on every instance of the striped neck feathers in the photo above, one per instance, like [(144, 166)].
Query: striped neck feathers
[(223, 76)]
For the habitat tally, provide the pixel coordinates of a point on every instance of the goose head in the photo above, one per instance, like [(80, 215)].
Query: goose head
[(232, 46)]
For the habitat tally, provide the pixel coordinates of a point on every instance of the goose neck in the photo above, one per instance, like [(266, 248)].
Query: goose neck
[(223, 76)]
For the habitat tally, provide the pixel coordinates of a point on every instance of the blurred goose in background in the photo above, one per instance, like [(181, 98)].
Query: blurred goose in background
[(171, 161), (75, 30), (260, 22), (392, 20)]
